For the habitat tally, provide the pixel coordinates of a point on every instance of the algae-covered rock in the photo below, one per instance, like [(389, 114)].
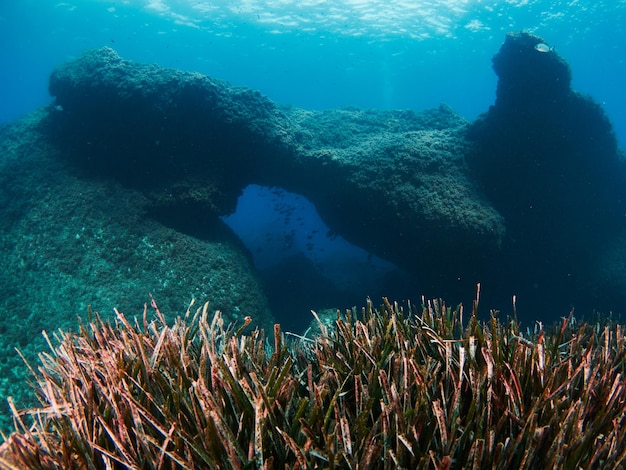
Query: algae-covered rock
[(179, 137), (69, 243), (394, 183), (116, 189), (547, 159)]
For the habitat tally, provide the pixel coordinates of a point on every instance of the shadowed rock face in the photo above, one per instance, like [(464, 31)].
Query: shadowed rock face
[(182, 138), (547, 159), (393, 182), (527, 72)]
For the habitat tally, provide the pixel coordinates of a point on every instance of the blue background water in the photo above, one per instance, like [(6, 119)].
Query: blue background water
[(317, 55)]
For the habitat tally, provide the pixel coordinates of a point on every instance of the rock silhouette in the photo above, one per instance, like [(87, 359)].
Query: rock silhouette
[(547, 159)]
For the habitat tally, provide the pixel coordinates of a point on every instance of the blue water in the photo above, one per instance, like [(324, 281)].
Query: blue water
[(319, 54), (314, 54)]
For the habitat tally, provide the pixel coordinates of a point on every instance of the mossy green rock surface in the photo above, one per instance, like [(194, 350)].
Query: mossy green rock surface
[(70, 242)]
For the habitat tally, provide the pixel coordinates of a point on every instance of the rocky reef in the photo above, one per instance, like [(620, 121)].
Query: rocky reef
[(547, 159), (394, 182), (522, 200), (115, 190), (70, 243)]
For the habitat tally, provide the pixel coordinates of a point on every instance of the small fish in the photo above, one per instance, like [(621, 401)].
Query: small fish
[(543, 47)]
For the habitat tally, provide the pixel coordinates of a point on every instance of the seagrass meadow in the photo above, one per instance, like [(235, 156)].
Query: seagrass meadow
[(406, 386)]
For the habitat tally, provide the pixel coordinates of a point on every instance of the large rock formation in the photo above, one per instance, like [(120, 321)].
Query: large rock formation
[(547, 159), (393, 182), (115, 190), (69, 243), (544, 164)]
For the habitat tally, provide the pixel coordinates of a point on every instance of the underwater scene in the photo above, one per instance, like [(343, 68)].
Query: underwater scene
[(312, 234)]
